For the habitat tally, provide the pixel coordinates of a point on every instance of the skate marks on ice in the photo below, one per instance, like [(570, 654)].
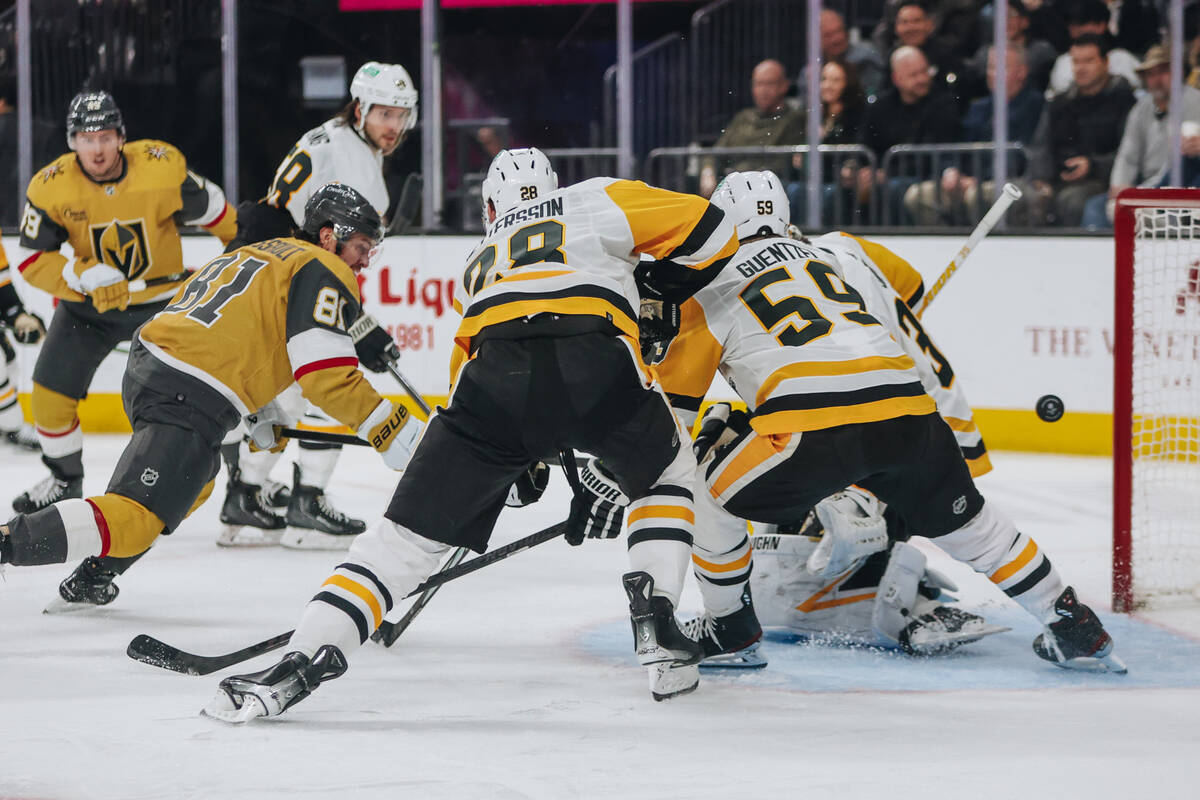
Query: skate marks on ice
[(1157, 658)]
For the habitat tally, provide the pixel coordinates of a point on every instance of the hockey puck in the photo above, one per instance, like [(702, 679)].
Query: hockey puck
[(1049, 408)]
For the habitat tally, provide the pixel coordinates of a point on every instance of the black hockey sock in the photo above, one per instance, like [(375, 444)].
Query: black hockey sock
[(119, 565), (229, 454), (65, 468)]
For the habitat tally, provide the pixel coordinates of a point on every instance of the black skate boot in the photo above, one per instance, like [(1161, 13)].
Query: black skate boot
[(668, 655), (276, 494), (24, 437), (314, 524), (89, 586), (939, 628), (248, 521), (731, 641), (269, 693), (1077, 640), (48, 492)]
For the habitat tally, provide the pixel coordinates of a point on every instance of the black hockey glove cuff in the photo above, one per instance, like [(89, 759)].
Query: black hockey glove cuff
[(373, 344), (719, 426), (528, 488), (598, 507)]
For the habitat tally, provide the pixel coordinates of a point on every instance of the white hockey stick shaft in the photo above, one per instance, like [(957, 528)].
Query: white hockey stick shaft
[(1008, 195)]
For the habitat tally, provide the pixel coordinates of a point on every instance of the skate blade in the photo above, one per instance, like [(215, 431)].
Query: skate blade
[(945, 642), (746, 658), (306, 539), (221, 708), (60, 606), (667, 680), (247, 536), (1108, 663)]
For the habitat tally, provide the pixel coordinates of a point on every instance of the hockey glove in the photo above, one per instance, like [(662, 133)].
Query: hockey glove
[(658, 325), (107, 286), (719, 426), (598, 507), (373, 344), (528, 488), (28, 328), (393, 432)]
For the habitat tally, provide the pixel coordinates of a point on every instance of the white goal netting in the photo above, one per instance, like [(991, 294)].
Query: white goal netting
[(1165, 478)]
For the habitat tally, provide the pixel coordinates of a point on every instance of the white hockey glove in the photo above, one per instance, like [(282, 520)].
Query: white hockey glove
[(598, 507), (854, 529), (719, 426), (263, 425), (107, 286), (373, 344), (393, 432), (528, 488)]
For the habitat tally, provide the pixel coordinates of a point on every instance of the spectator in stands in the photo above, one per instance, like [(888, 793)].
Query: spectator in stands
[(913, 111), (1091, 17), (1134, 24), (955, 26), (956, 199), (842, 106), (1143, 157), (1078, 138), (836, 46), (1040, 55), (914, 27), (770, 122)]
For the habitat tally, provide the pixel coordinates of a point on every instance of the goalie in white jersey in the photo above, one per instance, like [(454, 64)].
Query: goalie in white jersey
[(546, 361), (835, 401), (349, 149)]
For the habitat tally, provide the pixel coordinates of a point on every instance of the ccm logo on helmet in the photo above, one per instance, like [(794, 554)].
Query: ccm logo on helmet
[(385, 431)]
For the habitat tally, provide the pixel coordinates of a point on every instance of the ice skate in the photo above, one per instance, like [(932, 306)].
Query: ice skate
[(276, 494), (730, 641), (269, 693), (1077, 640), (247, 519), (314, 524), (669, 656), (939, 628), (48, 492), (24, 437), (89, 586)]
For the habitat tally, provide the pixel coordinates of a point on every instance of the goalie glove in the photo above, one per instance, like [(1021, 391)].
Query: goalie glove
[(528, 488), (373, 344), (393, 432), (854, 529), (598, 507)]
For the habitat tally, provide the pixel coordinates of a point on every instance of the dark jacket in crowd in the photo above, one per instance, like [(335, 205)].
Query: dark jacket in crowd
[(1024, 112), (1079, 125), (890, 121)]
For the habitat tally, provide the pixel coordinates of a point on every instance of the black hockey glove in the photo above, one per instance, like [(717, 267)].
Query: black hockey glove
[(373, 344), (598, 507), (719, 426), (528, 488)]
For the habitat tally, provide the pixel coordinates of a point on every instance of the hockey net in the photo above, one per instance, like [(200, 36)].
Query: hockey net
[(1156, 399)]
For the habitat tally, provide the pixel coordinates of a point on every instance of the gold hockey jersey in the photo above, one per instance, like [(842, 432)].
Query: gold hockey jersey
[(794, 341), (251, 322), (573, 252), (130, 223)]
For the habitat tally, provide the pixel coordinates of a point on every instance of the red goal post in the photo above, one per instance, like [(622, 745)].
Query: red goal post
[(1156, 396)]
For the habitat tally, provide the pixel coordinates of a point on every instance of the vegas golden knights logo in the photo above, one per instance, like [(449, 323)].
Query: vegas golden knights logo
[(122, 244)]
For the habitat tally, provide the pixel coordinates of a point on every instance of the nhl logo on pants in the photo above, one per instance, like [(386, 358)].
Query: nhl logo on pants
[(149, 476)]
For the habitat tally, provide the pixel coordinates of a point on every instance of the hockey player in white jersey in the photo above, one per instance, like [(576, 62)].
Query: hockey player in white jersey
[(546, 361), (26, 329), (349, 149), (835, 401)]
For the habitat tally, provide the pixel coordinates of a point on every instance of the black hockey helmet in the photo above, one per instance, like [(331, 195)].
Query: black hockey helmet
[(343, 208), (93, 111)]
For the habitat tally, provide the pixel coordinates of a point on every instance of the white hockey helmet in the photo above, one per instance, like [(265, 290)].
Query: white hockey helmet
[(516, 176), (755, 202), (385, 85)]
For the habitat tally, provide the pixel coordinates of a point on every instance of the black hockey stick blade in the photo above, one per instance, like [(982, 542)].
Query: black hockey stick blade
[(157, 653), (388, 632), (151, 651), (408, 205)]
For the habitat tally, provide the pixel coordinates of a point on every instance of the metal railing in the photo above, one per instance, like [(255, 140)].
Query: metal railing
[(660, 92), (914, 191)]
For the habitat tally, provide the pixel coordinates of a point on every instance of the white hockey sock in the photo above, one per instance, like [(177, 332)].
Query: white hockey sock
[(11, 417), (720, 555), (256, 466), (990, 543), (383, 566), (61, 445), (316, 466)]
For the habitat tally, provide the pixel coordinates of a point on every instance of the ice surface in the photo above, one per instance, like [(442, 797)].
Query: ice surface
[(518, 681)]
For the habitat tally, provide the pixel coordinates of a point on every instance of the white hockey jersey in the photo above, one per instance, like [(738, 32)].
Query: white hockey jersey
[(331, 152), (857, 261), (796, 343), (571, 253)]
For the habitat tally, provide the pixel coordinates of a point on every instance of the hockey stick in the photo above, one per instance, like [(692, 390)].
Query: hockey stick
[(140, 285), (321, 436), (409, 389), (1008, 195), (409, 204), (157, 653)]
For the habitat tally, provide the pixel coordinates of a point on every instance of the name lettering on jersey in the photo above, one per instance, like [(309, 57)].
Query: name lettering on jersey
[(122, 244), (277, 247), (543, 210), (769, 256)]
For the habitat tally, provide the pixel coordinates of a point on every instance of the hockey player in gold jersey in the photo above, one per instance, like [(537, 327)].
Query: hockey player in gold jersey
[(546, 360), (836, 401), (119, 205), (237, 334), (26, 329)]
